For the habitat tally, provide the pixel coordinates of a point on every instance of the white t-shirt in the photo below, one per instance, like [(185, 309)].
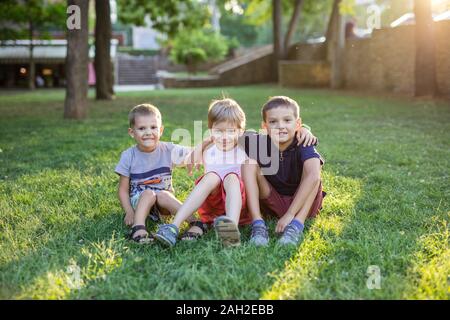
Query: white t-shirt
[(223, 162)]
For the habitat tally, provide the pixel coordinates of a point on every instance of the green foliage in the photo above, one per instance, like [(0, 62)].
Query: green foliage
[(258, 12), (312, 23), (196, 46), (16, 17), (167, 16), (233, 43), (347, 7), (236, 26), (314, 19)]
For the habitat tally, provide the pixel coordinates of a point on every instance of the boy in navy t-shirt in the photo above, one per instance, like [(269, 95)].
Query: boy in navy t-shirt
[(282, 177)]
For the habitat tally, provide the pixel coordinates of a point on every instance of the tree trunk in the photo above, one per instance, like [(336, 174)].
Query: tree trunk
[(425, 69), (278, 52), (102, 62), (336, 47), (77, 59), (331, 28), (292, 26), (31, 64)]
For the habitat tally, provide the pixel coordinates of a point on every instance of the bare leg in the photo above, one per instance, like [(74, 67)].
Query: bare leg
[(256, 187), (146, 202), (201, 191), (302, 214), (233, 200), (166, 200)]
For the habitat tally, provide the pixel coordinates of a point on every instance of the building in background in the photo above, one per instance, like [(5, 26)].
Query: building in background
[(49, 57)]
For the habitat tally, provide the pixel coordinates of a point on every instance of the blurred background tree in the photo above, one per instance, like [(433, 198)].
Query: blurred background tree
[(167, 16), (30, 20), (195, 46), (102, 61)]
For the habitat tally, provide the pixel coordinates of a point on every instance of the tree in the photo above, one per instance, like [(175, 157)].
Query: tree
[(292, 24), (195, 46), (425, 65), (27, 19), (278, 50), (236, 26), (259, 12), (77, 60), (102, 60), (167, 16), (335, 39)]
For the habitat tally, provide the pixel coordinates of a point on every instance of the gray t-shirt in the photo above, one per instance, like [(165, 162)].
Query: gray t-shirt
[(151, 170)]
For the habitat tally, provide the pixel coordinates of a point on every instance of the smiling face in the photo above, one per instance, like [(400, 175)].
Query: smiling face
[(147, 131), (226, 135), (281, 125)]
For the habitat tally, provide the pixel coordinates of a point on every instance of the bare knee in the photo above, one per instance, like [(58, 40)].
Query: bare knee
[(210, 179), (163, 197), (148, 195), (231, 181)]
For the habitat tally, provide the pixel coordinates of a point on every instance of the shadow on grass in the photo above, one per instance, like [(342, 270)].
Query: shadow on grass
[(93, 262), (368, 228), (63, 237)]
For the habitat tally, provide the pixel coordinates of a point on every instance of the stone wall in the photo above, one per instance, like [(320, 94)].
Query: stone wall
[(304, 73), (255, 71), (307, 52), (385, 62), (254, 67)]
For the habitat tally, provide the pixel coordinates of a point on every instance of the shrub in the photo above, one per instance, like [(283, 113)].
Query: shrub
[(196, 46)]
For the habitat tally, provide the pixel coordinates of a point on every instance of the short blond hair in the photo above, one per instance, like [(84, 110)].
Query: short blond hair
[(144, 109), (226, 110), (278, 102)]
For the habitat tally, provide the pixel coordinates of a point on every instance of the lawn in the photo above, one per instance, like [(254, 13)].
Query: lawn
[(388, 204)]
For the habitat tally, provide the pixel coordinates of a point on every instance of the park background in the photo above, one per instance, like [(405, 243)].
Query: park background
[(372, 78)]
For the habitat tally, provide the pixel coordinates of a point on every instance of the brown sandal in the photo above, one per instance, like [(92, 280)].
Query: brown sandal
[(192, 236), (141, 239)]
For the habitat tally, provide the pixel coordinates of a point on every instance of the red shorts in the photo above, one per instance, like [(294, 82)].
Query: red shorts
[(214, 205), (277, 204)]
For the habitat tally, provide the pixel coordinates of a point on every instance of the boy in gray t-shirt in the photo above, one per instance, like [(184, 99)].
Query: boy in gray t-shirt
[(145, 171)]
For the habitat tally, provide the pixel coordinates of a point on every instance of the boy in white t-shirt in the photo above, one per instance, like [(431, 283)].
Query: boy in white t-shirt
[(219, 195)]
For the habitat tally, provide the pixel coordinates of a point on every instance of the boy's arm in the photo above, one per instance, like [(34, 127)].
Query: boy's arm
[(124, 197), (195, 157), (305, 136), (305, 196)]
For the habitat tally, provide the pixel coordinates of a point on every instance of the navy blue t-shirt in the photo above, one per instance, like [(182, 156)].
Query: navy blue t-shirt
[(283, 170)]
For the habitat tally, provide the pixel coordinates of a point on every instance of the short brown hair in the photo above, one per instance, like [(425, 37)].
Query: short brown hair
[(144, 109), (280, 101), (226, 110)]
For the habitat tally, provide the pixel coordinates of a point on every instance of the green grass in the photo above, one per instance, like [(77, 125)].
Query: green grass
[(386, 174)]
